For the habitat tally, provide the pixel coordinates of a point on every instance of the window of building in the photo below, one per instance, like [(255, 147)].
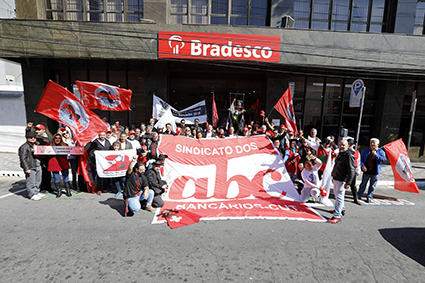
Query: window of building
[(95, 10), (219, 12), (344, 15), (419, 18)]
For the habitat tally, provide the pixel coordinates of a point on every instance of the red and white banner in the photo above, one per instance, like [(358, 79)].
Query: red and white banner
[(402, 170), (111, 163), (61, 105), (58, 150), (104, 97), (243, 177), (286, 108), (218, 46)]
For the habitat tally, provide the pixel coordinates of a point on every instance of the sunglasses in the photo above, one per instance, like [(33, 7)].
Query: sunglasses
[(58, 138), (32, 137)]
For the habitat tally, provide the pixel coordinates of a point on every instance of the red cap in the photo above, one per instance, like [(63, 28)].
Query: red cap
[(63, 129), (262, 113), (245, 130), (249, 127), (132, 132), (178, 130), (40, 126), (282, 126), (109, 131)]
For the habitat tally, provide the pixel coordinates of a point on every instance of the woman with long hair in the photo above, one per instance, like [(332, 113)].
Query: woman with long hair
[(72, 159), (59, 165)]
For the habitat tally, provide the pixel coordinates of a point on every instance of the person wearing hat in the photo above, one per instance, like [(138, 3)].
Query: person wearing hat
[(156, 183), (356, 153), (136, 188), (110, 137), (132, 139), (31, 166)]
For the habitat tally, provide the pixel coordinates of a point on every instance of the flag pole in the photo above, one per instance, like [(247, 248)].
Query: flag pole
[(412, 121), (360, 119)]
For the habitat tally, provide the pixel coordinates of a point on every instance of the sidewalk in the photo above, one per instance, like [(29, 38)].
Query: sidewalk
[(9, 167)]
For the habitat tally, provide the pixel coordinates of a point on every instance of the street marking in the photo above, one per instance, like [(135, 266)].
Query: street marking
[(14, 193)]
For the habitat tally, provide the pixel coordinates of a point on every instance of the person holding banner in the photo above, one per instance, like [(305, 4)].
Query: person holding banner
[(118, 181), (59, 165), (370, 161), (101, 143), (311, 180), (137, 188)]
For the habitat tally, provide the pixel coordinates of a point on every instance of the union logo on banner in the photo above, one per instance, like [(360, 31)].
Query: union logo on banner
[(110, 163), (72, 113), (108, 96), (230, 178)]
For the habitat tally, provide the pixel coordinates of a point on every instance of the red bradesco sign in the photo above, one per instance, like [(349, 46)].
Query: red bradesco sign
[(218, 46)]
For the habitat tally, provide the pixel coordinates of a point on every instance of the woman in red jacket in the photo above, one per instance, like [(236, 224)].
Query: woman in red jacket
[(293, 159), (58, 165)]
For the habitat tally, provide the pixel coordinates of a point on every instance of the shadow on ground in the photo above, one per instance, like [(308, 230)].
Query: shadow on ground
[(409, 241), (116, 204), (17, 188)]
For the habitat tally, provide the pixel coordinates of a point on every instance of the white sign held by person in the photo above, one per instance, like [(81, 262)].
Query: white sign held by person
[(58, 150), (111, 163), (196, 111)]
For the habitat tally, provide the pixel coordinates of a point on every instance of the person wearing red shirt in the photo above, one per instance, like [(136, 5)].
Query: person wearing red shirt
[(58, 165)]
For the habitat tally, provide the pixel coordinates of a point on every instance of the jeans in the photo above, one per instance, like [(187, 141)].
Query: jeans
[(57, 176), (134, 202), (372, 185), (119, 183), (74, 167), (339, 191), (306, 192), (33, 181)]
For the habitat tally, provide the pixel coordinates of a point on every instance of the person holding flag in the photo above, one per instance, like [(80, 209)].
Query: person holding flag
[(286, 108)]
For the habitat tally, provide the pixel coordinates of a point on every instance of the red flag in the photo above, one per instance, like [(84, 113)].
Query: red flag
[(104, 97), (179, 218), (286, 108), (86, 170), (400, 163), (61, 105), (214, 112)]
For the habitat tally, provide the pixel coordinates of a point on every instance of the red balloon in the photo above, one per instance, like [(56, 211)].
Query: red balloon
[(178, 130)]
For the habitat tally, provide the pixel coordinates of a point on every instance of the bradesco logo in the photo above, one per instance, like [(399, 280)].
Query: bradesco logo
[(218, 46)]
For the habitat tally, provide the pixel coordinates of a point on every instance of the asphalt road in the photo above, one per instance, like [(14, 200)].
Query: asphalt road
[(85, 238)]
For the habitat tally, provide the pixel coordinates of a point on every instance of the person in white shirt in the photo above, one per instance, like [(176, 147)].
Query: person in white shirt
[(110, 137), (210, 133), (312, 184), (312, 140), (132, 139)]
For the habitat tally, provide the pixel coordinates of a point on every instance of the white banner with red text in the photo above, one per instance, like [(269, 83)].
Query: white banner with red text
[(242, 177), (111, 163), (58, 150)]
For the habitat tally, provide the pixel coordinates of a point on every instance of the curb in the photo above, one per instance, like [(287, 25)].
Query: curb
[(19, 174)]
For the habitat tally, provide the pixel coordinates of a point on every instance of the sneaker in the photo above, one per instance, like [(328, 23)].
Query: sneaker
[(41, 195), (36, 197), (342, 212), (334, 220), (368, 200), (150, 208), (99, 193), (117, 194)]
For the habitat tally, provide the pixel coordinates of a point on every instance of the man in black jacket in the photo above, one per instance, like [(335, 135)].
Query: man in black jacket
[(342, 174), (156, 183), (31, 166)]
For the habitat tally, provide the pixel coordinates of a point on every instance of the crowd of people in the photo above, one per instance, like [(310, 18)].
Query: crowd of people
[(305, 159)]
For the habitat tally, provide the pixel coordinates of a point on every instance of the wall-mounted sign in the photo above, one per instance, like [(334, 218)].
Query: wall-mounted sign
[(218, 46)]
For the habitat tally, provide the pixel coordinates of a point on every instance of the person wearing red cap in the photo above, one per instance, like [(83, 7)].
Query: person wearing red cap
[(110, 137), (132, 139), (245, 132)]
